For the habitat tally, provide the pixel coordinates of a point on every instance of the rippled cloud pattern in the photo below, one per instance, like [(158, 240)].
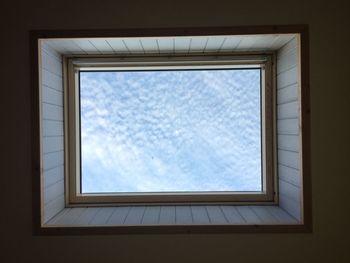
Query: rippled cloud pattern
[(155, 131)]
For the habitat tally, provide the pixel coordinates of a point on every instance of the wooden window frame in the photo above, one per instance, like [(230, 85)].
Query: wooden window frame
[(74, 64)]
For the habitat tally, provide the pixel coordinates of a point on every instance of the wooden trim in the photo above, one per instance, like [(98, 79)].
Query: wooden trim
[(164, 32), (305, 124), (35, 132), (172, 229), (35, 35)]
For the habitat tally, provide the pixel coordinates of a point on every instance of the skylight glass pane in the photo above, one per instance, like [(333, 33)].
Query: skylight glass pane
[(170, 131)]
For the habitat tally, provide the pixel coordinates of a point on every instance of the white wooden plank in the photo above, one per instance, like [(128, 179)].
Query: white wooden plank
[(52, 112), (287, 94), (85, 46), (289, 175), (68, 45), (52, 128), (134, 45), (200, 215), (288, 142), (289, 190), (52, 96), (264, 215), (53, 191), (58, 215), (167, 215), (53, 208), (52, 80), (288, 77), (247, 42), (53, 175), (71, 217), (290, 46), (53, 159), (232, 215), (102, 216), (282, 40), (288, 126), (198, 44), (248, 214), (264, 42), (117, 45), (214, 43), (118, 216), (149, 45), (51, 63), (231, 43), (182, 44), (87, 216), (135, 215), (151, 215), (166, 45), (292, 207), (53, 44), (281, 216), (287, 61), (52, 144), (50, 51), (290, 159), (288, 110), (216, 215), (101, 45), (183, 215)]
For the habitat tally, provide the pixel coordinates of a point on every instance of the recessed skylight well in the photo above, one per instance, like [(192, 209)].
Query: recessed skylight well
[(171, 130)]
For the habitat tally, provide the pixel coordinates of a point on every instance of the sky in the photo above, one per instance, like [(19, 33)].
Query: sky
[(170, 131)]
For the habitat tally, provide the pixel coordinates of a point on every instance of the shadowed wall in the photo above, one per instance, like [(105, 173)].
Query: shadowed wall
[(330, 89)]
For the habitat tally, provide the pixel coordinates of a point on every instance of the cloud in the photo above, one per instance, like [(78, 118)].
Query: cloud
[(171, 131)]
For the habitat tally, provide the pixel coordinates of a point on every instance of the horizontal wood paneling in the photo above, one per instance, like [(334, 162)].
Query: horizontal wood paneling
[(290, 159), (53, 176), (52, 129), (173, 215), (168, 44), (52, 208), (248, 214), (52, 112), (183, 215), (151, 215), (291, 191), (52, 144), (288, 126), (118, 216), (288, 110), (287, 94), (288, 142), (52, 80), (167, 215), (287, 78), (52, 96), (288, 130), (290, 175), (232, 215), (292, 207), (53, 191), (53, 159)]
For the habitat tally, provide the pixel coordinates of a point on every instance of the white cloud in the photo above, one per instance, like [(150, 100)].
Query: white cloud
[(171, 131)]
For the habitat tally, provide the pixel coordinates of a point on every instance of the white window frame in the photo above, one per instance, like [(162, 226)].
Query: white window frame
[(74, 64)]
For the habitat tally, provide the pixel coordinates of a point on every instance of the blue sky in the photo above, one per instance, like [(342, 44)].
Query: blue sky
[(151, 131)]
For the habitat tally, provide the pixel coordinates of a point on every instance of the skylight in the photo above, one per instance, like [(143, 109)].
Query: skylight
[(171, 130)]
